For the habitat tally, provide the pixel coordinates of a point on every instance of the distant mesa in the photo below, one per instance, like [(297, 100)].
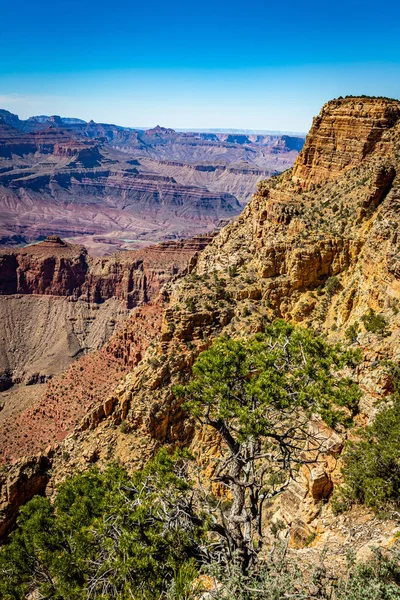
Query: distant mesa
[(158, 130), (53, 240)]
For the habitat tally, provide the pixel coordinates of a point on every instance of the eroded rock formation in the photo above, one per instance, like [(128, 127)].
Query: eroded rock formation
[(54, 267), (344, 134)]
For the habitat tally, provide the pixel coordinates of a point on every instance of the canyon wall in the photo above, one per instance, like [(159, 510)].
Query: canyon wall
[(58, 268), (317, 245), (345, 133), (57, 303)]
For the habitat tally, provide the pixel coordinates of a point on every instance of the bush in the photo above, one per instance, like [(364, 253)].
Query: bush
[(371, 470), (375, 323), (124, 427), (103, 538), (233, 271), (332, 285), (352, 332), (190, 304), (282, 577)]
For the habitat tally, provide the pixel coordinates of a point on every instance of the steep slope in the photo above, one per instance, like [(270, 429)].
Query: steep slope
[(58, 304), (314, 246)]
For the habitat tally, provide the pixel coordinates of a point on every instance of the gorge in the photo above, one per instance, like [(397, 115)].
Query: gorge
[(316, 245)]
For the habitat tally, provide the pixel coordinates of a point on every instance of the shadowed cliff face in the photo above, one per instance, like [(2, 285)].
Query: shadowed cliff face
[(336, 216)]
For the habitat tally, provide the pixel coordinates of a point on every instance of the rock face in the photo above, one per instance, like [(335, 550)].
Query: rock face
[(54, 267), (51, 267), (52, 140), (23, 481), (345, 133), (58, 304), (42, 335), (321, 255), (73, 394)]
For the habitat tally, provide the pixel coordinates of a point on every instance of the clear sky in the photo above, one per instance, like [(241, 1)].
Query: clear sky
[(252, 64)]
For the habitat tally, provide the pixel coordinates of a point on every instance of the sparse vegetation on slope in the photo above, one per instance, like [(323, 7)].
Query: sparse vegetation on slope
[(371, 468)]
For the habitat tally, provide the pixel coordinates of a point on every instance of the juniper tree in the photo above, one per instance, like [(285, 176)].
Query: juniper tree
[(259, 395)]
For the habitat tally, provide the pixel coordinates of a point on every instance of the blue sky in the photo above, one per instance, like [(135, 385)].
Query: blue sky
[(255, 64)]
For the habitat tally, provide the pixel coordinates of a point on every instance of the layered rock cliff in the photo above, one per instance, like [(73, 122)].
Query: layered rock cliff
[(346, 132), (93, 183), (60, 181), (54, 267)]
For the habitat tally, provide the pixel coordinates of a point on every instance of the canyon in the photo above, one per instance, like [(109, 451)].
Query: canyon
[(317, 245), (58, 304), (113, 188)]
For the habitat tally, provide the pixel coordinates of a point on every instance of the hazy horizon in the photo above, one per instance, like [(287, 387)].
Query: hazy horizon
[(223, 66)]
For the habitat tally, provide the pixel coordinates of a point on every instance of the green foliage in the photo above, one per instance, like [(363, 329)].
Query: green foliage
[(375, 323), (246, 311), (259, 394), (190, 304), (103, 537), (352, 332), (182, 586), (233, 271), (283, 369), (332, 285), (371, 468), (282, 577), (124, 427)]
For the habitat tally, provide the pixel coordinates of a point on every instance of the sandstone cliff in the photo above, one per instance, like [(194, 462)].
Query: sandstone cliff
[(345, 133)]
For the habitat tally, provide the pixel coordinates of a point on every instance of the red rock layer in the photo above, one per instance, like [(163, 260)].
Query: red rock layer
[(72, 394), (48, 141), (54, 267)]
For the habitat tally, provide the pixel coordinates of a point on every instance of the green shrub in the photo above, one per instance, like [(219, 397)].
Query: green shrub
[(352, 332), (371, 470), (283, 577), (102, 538), (332, 285), (375, 323), (233, 271), (246, 312), (190, 304), (124, 427)]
